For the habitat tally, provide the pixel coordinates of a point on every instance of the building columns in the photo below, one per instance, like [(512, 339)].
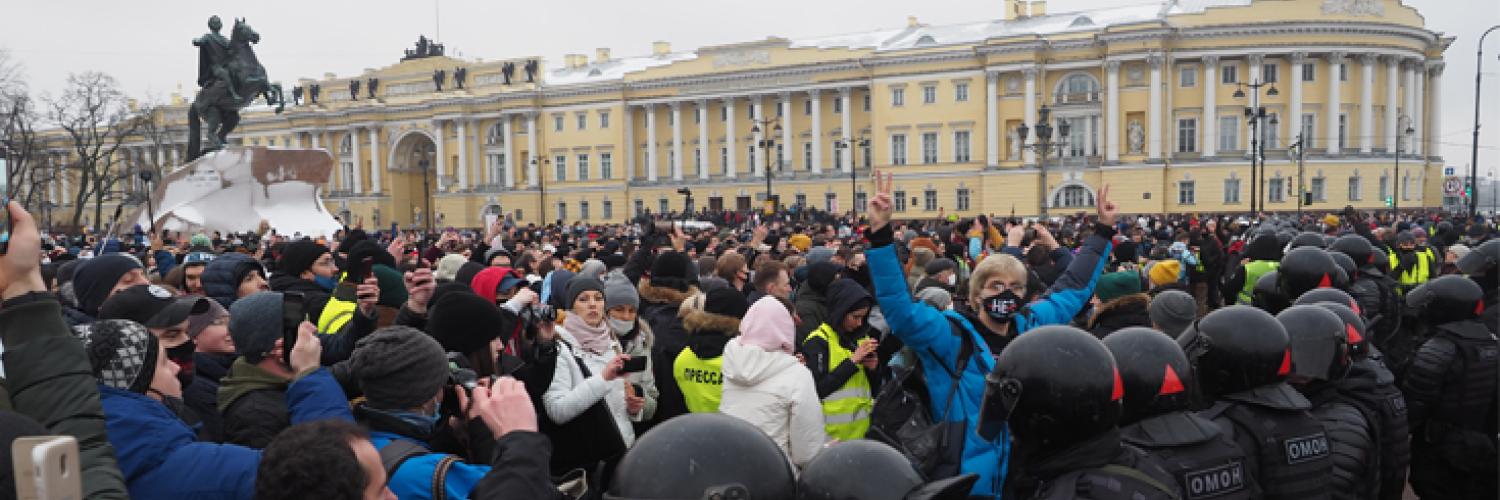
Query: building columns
[(1111, 110), (1294, 121), (846, 129), (536, 156), (1332, 111), (1435, 121), (789, 153), (375, 167), (758, 116), (730, 140), (703, 142), (1367, 103), (1027, 156), (1254, 63), (1210, 126), (1419, 107), (676, 166), (650, 142), (510, 151), (817, 132), (991, 119), (1154, 137), (463, 153), (357, 186), (1392, 104), (630, 144)]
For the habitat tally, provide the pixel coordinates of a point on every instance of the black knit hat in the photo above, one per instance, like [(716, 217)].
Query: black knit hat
[(95, 278), (724, 301), (299, 256), (399, 368), (673, 270), (467, 271), (580, 284), (122, 353), (462, 321), (938, 265)]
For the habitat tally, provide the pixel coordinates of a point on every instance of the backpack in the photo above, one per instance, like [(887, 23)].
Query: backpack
[(902, 420), (398, 451)]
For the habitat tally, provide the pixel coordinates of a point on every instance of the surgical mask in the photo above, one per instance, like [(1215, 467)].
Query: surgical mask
[(326, 282), (621, 327), (952, 279), (182, 355), (1002, 306)]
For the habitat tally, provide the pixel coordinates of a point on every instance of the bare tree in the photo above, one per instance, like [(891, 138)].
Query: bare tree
[(28, 174), (95, 118)]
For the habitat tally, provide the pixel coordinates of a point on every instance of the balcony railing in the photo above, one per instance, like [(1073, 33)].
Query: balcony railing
[(1090, 97)]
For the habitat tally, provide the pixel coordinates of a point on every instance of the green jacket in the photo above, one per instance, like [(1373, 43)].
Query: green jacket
[(50, 380)]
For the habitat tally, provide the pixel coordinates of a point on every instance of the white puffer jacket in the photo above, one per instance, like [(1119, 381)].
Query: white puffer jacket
[(571, 393), (776, 394)]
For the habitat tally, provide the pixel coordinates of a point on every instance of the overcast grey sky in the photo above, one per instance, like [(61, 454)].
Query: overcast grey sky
[(146, 44)]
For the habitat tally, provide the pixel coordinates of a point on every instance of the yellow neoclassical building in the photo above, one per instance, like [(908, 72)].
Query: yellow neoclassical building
[(1155, 98)]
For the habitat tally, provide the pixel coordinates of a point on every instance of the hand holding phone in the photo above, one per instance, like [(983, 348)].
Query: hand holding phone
[(634, 365)]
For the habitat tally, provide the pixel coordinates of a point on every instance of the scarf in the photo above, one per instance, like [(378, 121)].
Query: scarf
[(594, 339)]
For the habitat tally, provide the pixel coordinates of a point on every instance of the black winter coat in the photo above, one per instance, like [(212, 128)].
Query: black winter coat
[(202, 396)]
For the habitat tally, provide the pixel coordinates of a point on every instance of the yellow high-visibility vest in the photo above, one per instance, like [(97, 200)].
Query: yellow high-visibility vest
[(846, 412), (701, 380), (1253, 271), (1418, 273)]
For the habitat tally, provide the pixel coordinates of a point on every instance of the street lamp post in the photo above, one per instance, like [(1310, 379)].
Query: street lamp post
[(1474, 148), (1044, 144), (1256, 114), (541, 186), (861, 142), (1400, 184), (766, 144), (1302, 196)]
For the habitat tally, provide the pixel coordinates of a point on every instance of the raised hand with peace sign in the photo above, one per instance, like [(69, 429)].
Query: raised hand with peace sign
[(879, 211)]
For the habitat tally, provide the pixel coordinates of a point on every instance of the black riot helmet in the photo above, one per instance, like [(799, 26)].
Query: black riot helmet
[(1482, 261), (712, 455), (1307, 239), (1055, 386), (1235, 349), (1320, 351), (1267, 293), (1348, 270), (1328, 240), (865, 469), (1356, 247), (1157, 376), (1304, 269), (1284, 237), (1354, 329), (1447, 299)]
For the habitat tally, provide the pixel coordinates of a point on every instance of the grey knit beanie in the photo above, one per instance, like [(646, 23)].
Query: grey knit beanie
[(619, 292), (122, 353), (255, 324), (399, 368)]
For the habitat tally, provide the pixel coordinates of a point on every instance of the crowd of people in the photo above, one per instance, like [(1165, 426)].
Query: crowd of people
[(797, 354)]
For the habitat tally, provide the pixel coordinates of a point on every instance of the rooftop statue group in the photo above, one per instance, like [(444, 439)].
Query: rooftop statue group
[(229, 79)]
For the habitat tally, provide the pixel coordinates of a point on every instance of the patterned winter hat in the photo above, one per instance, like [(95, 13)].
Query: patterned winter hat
[(121, 352)]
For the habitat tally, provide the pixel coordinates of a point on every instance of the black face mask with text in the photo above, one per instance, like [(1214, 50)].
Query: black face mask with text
[(182, 356), (1003, 306)]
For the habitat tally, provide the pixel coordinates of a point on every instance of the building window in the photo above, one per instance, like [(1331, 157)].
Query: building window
[(1273, 133), (780, 156), (1317, 188), (1187, 135), (1231, 190), (1188, 76), (583, 121), (609, 210), (347, 173), (838, 157), (603, 119), (671, 119), (807, 107), (1274, 191), (1385, 188), (898, 149), (1309, 73), (724, 160), (838, 106), (698, 161), (640, 207), (860, 199), (870, 158), (583, 169), (929, 94), (557, 123), (583, 210), (961, 146), (496, 167), (1405, 188), (898, 97), (963, 199), (1186, 192), (830, 202), (867, 101), (899, 198), (724, 113), (1073, 196), (807, 151), (1343, 72), (1354, 194), (1268, 73), (929, 200), (562, 211), (961, 92), (606, 166), (1229, 74), (1309, 125), (1229, 133), (663, 206), (496, 137), (800, 200), (560, 167), (929, 147), (1343, 130), (750, 159)]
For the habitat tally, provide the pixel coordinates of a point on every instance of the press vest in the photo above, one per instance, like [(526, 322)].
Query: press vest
[(1253, 271), (335, 314), (1418, 273), (846, 412), (701, 380), (1291, 449)]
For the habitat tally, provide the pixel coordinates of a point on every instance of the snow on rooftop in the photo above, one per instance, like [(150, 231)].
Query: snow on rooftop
[(614, 69)]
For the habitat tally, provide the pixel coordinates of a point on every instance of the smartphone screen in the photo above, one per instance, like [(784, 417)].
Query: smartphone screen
[(634, 365), (4, 205)]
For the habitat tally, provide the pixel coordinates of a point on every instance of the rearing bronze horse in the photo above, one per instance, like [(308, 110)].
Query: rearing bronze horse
[(218, 106)]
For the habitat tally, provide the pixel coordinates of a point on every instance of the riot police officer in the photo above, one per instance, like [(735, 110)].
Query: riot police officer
[(1375, 291), (1483, 266), (1451, 393), (1373, 388), (710, 455), (1306, 268), (1058, 389), (1320, 360), (1159, 391), (1242, 356), (872, 470), (1267, 296)]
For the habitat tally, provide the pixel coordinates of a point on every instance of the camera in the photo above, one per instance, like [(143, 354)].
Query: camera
[(534, 315)]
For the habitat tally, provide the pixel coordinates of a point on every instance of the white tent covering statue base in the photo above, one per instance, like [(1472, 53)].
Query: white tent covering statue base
[(232, 190)]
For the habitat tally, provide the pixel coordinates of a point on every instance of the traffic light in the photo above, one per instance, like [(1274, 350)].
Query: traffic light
[(1388, 201)]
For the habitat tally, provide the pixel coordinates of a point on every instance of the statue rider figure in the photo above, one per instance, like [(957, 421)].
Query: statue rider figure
[(214, 54)]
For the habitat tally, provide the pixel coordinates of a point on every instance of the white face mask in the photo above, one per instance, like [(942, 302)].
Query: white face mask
[(952, 279), (621, 327)]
